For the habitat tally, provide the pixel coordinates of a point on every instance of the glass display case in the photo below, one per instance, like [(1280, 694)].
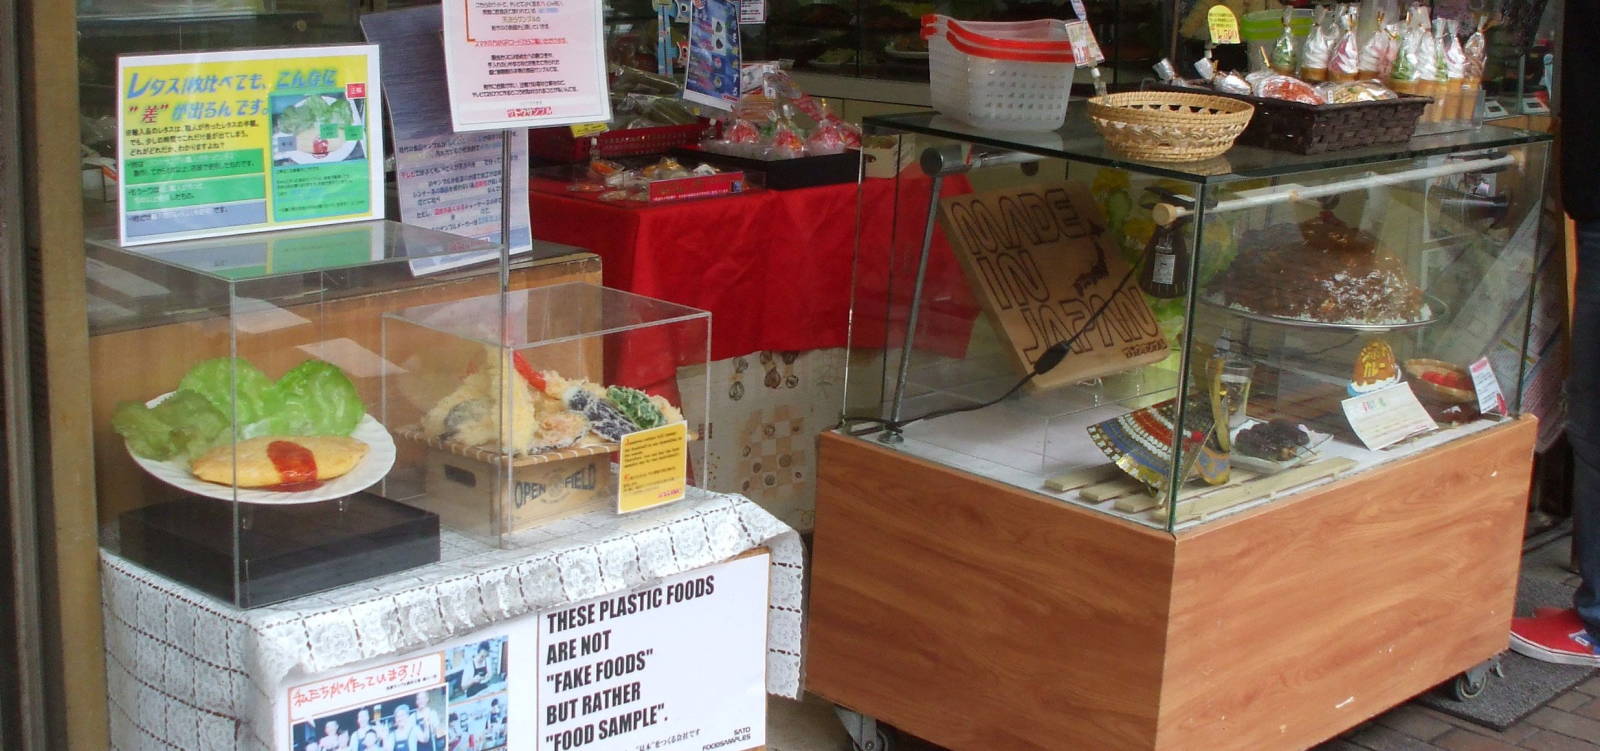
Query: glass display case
[(1174, 343), (882, 40), (505, 428), (237, 402)]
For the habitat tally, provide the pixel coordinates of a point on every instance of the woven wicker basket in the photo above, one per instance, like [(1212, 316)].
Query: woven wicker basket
[(1163, 126)]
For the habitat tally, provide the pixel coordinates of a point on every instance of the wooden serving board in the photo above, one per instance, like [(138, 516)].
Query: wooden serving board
[(414, 433), (1231, 495)]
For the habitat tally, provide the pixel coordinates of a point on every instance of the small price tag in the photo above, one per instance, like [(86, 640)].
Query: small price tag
[(1490, 400), (582, 130), (1387, 416), (1224, 25), (652, 467), (1085, 49)]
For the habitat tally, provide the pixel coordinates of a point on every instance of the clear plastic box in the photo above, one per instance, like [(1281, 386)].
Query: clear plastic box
[(508, 412), (240, 448)]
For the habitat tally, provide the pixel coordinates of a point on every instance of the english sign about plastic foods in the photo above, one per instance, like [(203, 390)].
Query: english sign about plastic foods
[(222, 143)]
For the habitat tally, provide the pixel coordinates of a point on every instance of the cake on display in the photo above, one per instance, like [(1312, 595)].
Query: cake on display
[(1321, 270)]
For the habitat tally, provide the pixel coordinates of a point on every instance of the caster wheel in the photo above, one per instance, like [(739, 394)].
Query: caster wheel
[(1469, 685), (881, 741)]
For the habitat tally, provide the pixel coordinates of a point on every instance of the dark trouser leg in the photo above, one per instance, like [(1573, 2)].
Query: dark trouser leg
[(1583, 425)]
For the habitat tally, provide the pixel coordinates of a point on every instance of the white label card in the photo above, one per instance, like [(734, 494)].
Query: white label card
[(1387, 416), (1490, 400)]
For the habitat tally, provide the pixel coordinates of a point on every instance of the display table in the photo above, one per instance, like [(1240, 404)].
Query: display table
[(774, 267), (185, 671)]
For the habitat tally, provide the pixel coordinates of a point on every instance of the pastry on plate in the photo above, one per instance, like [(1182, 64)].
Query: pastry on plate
[(271, 461)]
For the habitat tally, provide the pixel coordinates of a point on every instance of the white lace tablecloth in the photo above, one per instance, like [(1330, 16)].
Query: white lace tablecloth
[(187, 671)]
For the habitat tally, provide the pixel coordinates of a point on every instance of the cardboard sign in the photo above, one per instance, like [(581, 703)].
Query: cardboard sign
[(652, 467), (1387, 416), (679, 666), (1039, 266), (223, 143)]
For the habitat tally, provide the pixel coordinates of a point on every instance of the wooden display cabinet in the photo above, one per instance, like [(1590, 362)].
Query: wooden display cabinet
[(979, 616)]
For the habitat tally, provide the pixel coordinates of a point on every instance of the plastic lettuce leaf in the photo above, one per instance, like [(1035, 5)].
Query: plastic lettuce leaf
[(196, 424), (185, 426), (636, 406), (147, 436), (315, 398), (221, 379)]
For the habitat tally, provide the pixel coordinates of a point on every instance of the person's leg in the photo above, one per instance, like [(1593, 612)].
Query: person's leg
[(1571, 636), (1583, 426)]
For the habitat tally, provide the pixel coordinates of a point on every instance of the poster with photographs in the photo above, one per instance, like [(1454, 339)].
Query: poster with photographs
[(395, 707), (457, 697)]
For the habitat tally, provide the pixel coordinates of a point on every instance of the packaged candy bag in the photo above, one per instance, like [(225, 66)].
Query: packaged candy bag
[(1288, 88), (826, 139), (1476, 51), (1315, 52), (1357, 91), (1282, 57), (1344, 60)]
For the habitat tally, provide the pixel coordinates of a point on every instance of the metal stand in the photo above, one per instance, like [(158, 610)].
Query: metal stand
[(936, 161), (864, 732)]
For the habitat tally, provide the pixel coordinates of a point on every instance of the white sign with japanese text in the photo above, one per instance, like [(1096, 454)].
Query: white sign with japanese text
[(525, 63)]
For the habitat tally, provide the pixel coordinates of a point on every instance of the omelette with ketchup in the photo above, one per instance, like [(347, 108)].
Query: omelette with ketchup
[(286, 463)]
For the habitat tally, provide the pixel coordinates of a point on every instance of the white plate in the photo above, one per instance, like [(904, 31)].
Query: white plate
[(373, 466), (337, 155)]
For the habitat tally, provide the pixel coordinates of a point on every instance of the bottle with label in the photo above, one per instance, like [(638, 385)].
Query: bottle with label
[(1166, 264)]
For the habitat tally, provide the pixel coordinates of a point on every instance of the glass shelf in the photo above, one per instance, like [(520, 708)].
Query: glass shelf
[(1079, 141)]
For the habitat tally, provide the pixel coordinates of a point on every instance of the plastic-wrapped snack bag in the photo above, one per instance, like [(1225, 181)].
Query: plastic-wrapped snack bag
[(1287, 88), (1404, 76), (1344, 62), (1375, 53), (1476, 51), (1283, 50), (1231, 83), (1315, 52), (787, 143), (1355, 91), (1455, 61), (826, 139)]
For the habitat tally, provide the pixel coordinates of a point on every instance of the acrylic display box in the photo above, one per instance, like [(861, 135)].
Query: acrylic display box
[(508, 412), (236, 399)]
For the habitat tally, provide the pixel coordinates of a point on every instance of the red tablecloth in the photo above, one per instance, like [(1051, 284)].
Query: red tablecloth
[(774, 268)]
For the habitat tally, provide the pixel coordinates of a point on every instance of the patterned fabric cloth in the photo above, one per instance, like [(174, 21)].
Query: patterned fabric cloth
[(187, 671)]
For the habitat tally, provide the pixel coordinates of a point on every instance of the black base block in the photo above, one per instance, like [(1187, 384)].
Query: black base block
[(782, 174), (284, 551)]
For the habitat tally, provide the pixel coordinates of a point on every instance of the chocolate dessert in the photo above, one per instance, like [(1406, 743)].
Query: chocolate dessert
[(1322, 270)]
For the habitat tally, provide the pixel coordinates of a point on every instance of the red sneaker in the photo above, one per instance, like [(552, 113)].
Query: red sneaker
[(1556, 637)]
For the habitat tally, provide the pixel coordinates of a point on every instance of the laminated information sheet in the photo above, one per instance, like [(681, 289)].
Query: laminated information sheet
[(525, 63), (221, 143)]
